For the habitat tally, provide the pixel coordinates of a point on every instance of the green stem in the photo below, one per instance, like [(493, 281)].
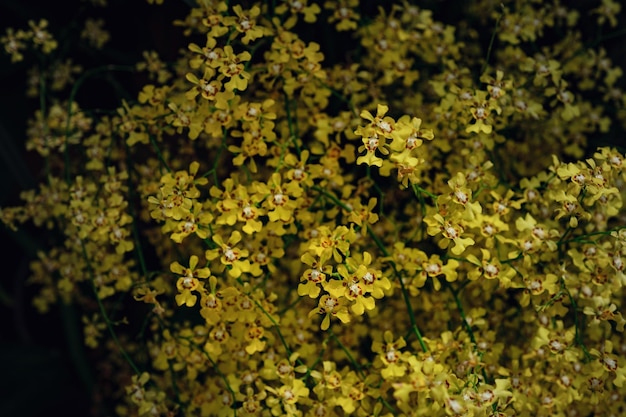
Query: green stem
[(583, 237), (348, 354), (155, 146), (276, 328), (175, 388), (491, 42), (468, 328), (577, 334), (407, 302), (104, 314), (419, 190), (292, 134), (75, 346), (459, 306)]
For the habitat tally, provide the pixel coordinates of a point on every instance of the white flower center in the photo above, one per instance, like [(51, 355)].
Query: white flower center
[(461, 197), (230, 255), (372, 143), (315, 275), (539, 233), (247, 212), (618, 263), (452, 233), (384, 126), (610, 363), (355, 289), (433, 269), (296, 5), (288, 395), (491, 269), (615, 160), (391, 355), (298, 174)]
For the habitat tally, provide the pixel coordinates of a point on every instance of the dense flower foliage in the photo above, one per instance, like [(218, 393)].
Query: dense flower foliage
[(423, 227)]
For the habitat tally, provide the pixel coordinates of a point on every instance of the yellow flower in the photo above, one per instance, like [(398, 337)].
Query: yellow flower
[(370, 145), (364, 214), (212, 301), (539, 235), (279, 198), (232, 67), (373, 279), (298, 169), (375, 135), (412, 134), (502, 205), (296, 7), (610, 362), (492, 229), (331, 244), (330, 306), (538, 284), (94, 33), (193, 223), (607, 11), (313, 276), (354, 390), (41, 37), (569, 207), (209, 56), (249, 213), (461, 194), (188, 280), (231, 257), (14, 43), (434, 268), (329, 378), (490, 268), (481, 113), (345, 14), (207, 87), (245, 22), (389, 356), (92, 330), (450, 230), (350, 286), (381, 124), (286, 396)]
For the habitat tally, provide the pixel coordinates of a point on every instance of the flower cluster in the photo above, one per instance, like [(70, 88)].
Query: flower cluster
[(424, 228)]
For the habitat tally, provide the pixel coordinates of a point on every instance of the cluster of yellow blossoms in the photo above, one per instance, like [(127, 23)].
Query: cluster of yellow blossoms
[(422, 227)]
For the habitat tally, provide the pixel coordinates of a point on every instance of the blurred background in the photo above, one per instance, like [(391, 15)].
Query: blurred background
[(45, 369)]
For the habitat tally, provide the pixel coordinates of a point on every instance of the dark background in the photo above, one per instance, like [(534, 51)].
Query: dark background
[(43, 374), (38, 357)]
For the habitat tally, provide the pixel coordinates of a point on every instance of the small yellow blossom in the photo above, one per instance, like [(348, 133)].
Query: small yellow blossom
[(330, 306), (231, 257), (188, 281)]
